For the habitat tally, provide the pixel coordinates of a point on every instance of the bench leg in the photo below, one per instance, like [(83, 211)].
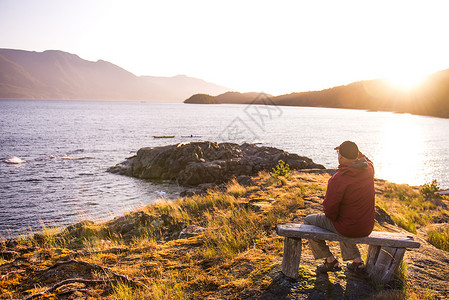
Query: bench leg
[(292, 256), (373, 253), (382, 262), (397, 258)]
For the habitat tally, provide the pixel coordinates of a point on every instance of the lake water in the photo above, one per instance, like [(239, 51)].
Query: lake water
[(68, 145)]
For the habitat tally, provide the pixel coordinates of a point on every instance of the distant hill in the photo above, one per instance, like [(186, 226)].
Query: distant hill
[(61, 75), (236, 97), (202, 99), (430, 98), (229, 98)]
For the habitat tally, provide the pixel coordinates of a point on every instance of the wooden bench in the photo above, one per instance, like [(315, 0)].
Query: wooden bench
[(385, 251)]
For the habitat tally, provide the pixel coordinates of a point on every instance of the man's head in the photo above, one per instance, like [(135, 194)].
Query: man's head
[(347, 151)]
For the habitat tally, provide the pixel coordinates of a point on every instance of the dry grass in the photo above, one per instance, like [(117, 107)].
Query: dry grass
[(235, 189), (233, 253), (408, 207)]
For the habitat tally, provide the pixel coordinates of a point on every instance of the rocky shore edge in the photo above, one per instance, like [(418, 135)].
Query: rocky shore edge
[(207, 163)]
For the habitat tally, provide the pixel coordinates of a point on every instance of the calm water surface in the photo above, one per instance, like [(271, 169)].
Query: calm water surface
[(68, 145)]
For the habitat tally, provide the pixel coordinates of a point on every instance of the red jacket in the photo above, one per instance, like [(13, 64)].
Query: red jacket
[(349, 200)]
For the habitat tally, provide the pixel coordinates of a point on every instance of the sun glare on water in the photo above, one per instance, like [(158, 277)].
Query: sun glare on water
[(401, 152)]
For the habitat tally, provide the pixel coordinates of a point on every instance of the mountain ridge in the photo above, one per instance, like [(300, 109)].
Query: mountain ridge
[(430, 98), (55, 74)]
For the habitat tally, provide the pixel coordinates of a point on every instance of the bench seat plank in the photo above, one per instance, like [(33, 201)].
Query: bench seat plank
[(384, 239)]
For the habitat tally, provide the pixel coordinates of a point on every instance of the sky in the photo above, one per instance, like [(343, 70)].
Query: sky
[(275, 47)]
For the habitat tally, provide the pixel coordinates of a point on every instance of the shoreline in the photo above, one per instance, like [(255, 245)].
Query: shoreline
[(187, 192), (182, 247), (181, 102)]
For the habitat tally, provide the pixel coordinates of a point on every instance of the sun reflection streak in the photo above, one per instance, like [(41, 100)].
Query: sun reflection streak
[(400, 155)]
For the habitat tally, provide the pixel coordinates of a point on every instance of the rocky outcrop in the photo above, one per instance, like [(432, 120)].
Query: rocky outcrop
[(196, 163)]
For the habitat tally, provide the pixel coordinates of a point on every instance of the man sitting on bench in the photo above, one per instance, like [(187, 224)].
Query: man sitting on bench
[(348, 208)]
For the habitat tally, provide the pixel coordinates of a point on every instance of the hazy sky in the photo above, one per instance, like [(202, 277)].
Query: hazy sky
[(271, 46)]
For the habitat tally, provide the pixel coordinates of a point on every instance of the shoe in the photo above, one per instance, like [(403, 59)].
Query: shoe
[(356, 267), (328, 267)]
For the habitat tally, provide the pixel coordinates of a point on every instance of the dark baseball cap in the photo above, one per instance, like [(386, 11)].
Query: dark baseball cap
[(348, 150)]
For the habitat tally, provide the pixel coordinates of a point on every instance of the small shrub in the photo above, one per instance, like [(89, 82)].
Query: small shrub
[(429, 190), (439, 238), (282, 169)]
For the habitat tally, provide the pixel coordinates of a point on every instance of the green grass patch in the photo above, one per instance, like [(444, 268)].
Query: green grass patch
[(402, 192), (405, 223), (439, 238)]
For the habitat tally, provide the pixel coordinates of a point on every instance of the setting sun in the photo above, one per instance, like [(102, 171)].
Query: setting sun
[(406, 80)]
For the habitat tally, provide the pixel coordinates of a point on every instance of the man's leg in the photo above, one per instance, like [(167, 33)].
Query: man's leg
[(349, 251), (319, 247)]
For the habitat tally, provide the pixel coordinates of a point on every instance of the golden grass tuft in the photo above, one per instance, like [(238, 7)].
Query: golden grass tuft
[(235, 189), (123, 291), (168, 290), (233, 232), (213, 200)]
